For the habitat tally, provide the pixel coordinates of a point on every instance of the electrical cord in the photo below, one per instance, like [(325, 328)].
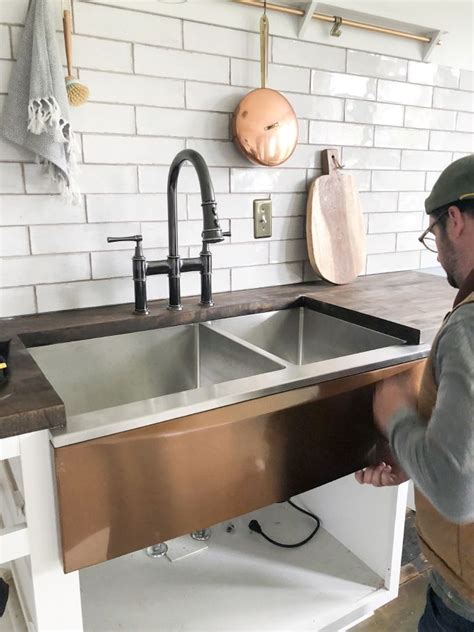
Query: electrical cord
[(254, 525)]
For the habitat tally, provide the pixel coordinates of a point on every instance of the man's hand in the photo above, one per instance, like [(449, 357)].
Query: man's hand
[(391, 395), (384, 470), (381, 475)]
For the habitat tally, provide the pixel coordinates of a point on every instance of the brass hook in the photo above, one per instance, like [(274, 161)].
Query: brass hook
[(336, 27)]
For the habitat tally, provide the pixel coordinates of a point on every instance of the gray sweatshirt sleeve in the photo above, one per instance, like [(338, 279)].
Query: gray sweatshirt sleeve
[(439, 457)]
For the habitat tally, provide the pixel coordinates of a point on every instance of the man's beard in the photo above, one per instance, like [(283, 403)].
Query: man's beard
[(452, 281), (450, 264)]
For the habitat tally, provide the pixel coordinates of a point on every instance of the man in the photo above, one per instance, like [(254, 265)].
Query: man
[(431, 434)]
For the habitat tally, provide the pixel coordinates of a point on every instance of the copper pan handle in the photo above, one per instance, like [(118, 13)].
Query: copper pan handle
[(263, 50)]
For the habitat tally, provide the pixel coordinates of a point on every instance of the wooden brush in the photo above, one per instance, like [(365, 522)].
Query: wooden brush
[(77, 93)]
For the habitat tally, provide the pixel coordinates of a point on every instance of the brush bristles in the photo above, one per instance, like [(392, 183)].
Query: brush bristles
[(77, 93)]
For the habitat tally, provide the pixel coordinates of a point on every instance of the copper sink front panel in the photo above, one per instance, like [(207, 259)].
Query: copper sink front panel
[(133, 489)]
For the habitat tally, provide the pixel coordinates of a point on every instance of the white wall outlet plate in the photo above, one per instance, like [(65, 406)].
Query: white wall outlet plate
[(262, 218)]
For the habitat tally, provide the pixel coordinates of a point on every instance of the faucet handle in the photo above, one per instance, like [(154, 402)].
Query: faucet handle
[(228, 233), (135, 238)]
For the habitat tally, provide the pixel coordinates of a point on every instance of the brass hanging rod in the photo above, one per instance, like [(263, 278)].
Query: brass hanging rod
[(330, 18)]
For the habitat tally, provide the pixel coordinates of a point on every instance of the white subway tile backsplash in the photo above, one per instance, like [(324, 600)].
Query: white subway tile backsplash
[(319, 108), (428, 259), (282, 228), (395, 222), (155, 234), (92, 179), (131, 26), (213, 98), (425, 118), (189, 233), (378, 202), (108, 179), (130, 149), (433, 75), (16, 210), (465, 122), (225, 255), (90, 52), (362, 178), (267, 180), (411, 201), (11, 179), (5, 71), (431, 177), (286, 204), (287, 78), (17, 300), (5, 52), (401, 137), (159, 84), (286, 251), (467, 80), (377, 264), (13, 11), (15, 271), (342, 85), (409, 241), (452, 141), (273, 274), (304, 156), (221, 41), (328, 133), (103, 118), (60, 296), (133, 89), (373, 113), (131, 207), (408, 94), (183, 123), (369, 158), (378, 243), (155, 179), (79, 237), (424, 160), (299, 54), (453, 100), (375, 65), (218, 153), (398, 180), (14, 240), (162, 62)]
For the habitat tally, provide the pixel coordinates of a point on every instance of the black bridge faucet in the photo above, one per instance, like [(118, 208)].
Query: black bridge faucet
[(174, 264)]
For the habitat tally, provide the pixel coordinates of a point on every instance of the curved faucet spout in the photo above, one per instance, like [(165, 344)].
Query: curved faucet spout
[(212, 231)]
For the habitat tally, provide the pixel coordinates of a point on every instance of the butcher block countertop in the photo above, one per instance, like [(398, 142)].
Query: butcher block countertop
[(29, 403)]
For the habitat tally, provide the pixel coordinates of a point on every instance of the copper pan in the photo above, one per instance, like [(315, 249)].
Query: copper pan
[(264, 125)]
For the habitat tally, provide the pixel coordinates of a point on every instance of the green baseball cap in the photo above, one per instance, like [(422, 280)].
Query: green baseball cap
[(455, 183)]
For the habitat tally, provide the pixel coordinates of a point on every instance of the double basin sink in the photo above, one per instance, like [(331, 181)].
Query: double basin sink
[(124, 381)]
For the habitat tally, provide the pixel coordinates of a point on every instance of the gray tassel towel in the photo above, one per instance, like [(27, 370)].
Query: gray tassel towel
[(35, 113)]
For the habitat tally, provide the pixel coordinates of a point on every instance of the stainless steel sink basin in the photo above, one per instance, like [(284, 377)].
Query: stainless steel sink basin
[(118, 383), (302, 336), (92, 375)]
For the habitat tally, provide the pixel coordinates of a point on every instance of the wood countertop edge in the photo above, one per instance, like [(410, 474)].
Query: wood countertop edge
[(29, 403)]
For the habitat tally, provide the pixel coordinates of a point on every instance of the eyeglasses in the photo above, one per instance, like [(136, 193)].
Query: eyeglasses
[(429, 241)]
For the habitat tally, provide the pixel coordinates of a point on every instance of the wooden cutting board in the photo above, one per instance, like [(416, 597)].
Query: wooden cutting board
[(334, 225)]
